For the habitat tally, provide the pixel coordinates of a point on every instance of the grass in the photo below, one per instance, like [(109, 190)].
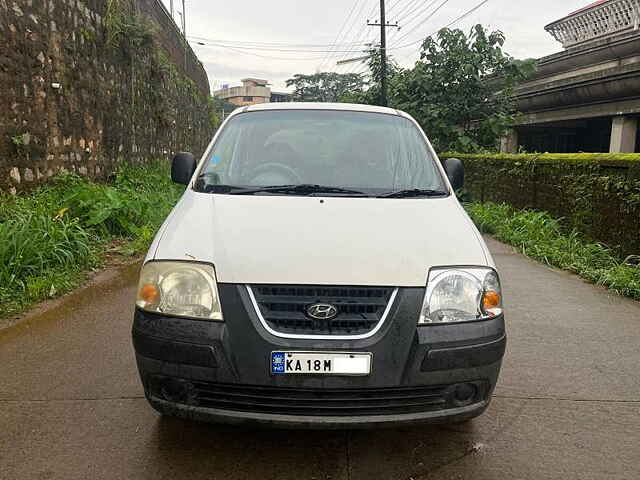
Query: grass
[(540, 236), (51, 237)]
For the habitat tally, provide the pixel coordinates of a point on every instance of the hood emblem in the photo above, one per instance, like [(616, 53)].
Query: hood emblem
[(322, 311)]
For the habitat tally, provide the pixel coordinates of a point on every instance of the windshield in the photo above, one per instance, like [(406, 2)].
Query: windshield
[(360, 153)]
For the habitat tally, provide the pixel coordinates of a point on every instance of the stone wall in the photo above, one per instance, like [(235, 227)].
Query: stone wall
[(84, 84)]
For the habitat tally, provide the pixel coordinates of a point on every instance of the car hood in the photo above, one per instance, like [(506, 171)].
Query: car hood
[(321, 241)]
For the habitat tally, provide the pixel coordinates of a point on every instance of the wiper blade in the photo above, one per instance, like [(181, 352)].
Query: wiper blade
[(216, 188), (414, 192), (302, 189)]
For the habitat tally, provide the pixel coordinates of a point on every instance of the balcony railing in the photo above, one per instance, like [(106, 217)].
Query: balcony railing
[(615, 16)]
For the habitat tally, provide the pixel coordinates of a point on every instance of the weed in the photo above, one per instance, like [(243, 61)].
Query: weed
[(52, 235), (86, 35), (21, 140), (538, 235), (125, 30)]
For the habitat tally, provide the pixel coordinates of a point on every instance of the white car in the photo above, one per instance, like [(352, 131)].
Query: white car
[(319, 272)]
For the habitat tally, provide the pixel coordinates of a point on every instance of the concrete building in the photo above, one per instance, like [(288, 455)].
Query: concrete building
[(587, 97), (252, 91)]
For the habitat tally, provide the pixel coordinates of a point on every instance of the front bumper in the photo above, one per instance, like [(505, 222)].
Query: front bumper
[(233, 417), (221, 371)]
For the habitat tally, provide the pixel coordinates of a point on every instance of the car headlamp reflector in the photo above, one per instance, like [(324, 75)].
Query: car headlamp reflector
[(184, 289), (461, 295)]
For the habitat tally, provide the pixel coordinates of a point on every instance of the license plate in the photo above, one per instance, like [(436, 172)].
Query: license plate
[(320, 363)]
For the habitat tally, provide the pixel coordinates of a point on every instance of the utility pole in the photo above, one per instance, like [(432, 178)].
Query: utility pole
[(383, 24), (383, 55), (171, 8)]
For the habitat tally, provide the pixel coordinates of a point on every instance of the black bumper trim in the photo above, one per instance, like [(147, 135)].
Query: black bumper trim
[(313, 402), (204, 414), (464, 356), (175, 352)]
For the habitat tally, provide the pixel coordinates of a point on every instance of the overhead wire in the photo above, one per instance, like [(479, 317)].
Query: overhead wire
[(453, 22), (342, 29), (268, 49), (338, 50), (399, 17), (392, 6), (371, 42), (362, 66), (236, 50), (450, 24), (418, 8), (408, 9), (358, 35), (267, 44), (424, 20)]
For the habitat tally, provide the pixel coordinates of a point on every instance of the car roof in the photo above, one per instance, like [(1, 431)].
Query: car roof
[(352, 107)]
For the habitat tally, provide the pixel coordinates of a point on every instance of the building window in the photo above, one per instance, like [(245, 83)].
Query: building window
[(248, 99)]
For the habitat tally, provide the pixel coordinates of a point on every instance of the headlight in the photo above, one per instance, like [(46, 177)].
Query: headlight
[(183, 289), (461, 295)]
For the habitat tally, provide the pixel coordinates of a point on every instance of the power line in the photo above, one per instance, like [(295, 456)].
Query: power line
[(453, 22), (236, 50), (418, 6), (363, 26), (364, 36), (407, 12), (369, 35), (356, 38), (428, 17), (267, 44), (269, 49), (460, 18), (383, 24), (342, 28), (393, 5)]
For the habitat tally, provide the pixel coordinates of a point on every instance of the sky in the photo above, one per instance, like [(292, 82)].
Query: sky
[(275, 40)]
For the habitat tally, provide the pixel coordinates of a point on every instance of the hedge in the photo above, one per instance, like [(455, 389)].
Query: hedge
[(596, 194)]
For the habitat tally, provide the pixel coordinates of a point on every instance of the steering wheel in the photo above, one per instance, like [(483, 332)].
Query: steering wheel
[(275, 170)]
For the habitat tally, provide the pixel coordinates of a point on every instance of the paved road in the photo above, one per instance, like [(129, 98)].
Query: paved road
[(567, 405)]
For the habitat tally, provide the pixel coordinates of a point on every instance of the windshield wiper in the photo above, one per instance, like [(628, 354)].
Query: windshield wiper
[(302, 189), (414, 192)]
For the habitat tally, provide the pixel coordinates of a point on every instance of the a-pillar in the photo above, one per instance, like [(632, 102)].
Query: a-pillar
[(623, 135), (509, 143)]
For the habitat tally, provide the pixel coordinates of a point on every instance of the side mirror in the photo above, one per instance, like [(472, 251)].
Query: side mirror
[(455, 171), (182, 167)]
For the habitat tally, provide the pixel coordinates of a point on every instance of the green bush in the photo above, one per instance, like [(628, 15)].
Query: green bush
[(585, 158), (50, 236), (538, 235), (595, 194)]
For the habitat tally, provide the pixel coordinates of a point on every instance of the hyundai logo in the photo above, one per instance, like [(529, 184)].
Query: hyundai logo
[(322, 311)]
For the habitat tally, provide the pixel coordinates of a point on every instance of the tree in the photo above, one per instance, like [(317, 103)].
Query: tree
[(461, 89), (324, 86), (221, 108), (370, 93)]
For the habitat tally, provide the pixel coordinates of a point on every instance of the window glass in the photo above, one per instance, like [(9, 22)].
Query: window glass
[(367, 151)]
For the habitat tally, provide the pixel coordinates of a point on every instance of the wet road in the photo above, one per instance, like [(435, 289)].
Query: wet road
[(567, 405)]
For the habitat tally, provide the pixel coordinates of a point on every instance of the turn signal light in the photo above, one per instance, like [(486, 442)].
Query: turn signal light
[(150, 294), (491, 300)]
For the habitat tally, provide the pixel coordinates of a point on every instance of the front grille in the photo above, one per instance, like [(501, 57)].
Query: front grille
[(284, 308), (333, 402)]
